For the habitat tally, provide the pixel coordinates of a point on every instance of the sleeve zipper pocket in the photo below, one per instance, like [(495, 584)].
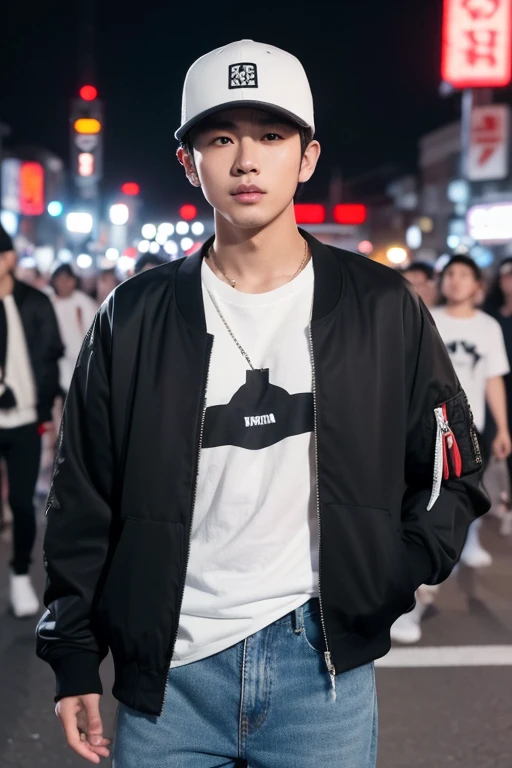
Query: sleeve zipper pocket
[(446, 453)]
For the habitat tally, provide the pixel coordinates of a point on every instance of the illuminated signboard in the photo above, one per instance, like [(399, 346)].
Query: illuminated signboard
[(32, 189), (477, 43)]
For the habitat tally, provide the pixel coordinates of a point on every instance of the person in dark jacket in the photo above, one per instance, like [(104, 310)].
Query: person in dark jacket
[(30, 348), (499, 305), (265, 452)]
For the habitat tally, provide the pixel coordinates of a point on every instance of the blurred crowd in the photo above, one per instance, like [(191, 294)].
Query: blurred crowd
[(473, 314), (45, 317)]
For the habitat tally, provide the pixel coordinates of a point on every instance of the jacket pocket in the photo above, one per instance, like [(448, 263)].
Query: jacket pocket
[(457, 452), (365, 575), (138, 608)]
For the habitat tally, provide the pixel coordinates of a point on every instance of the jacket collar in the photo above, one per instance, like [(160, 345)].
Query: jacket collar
[(327, 291)]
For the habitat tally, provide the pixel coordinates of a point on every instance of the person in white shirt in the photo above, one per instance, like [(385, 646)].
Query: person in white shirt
[(477, 350), (75, 312)]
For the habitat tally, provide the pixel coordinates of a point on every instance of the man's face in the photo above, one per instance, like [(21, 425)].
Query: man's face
[(7, 263), (64, 285), (249, 164), (460, 284), (425, 288)]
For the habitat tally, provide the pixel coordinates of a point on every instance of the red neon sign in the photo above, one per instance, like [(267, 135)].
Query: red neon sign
[(477, 41), (309, 213), (130, 188), (188, 212), (350, 213), (32, 189)]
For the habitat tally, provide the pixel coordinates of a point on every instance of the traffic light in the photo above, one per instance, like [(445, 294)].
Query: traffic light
[(87, 141), (188, 212)]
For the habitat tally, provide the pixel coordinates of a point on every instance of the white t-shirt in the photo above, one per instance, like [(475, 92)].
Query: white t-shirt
[(254, 546), (18, 372), (477, 351), (74, 316)]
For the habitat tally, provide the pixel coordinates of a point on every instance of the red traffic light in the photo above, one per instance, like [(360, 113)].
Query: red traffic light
[(309, 213), (130, 188), (188, 212), (350, 213), (88, 92)]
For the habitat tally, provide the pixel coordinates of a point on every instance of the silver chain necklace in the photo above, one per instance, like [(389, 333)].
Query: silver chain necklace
[(242, 350), (232, 282), (225, 322)]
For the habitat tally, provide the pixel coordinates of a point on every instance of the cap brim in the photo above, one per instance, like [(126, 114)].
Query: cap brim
[(180, 133)]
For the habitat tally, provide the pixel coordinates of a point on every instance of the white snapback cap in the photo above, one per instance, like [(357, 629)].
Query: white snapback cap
[(245, 74)]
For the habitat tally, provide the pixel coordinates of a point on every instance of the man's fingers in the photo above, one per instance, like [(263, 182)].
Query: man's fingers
[(74, 740), (94, 727)]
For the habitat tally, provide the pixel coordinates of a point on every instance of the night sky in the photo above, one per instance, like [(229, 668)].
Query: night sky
[(373, 66)]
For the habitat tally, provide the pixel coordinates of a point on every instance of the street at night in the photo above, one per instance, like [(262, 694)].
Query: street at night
[(256, 385)]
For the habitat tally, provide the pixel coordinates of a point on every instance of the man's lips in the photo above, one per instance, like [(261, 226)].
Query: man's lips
[(248, 193)]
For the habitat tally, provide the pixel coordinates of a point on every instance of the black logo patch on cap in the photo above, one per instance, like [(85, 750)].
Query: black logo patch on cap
[(243, 75)]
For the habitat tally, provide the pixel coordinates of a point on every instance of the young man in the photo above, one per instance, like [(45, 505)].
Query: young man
[(422, 277), (475, 343), (75, 312), (239, 509), (477, 350), (30, 348)]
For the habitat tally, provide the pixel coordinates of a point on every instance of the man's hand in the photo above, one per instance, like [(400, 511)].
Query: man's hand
[(502, 445), (81, 720), (47, 426)]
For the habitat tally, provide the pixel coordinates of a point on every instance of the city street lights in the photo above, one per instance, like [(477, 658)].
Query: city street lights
[(79, 222), (119, 214)]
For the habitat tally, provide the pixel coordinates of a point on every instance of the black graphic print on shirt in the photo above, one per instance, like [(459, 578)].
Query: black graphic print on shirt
[(464, 353), (258, 415)]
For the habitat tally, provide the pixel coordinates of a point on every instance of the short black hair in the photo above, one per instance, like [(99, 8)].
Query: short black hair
[(468, 262), (148, 260), (64, 269), (420, 266)]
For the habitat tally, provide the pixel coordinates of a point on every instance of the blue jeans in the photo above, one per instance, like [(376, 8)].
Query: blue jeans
[(266, 702)]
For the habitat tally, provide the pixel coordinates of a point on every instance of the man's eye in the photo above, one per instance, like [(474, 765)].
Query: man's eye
[(272, 137), (221, 141)]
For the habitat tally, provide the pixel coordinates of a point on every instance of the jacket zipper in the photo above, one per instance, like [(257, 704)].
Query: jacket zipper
[(171, 650), (327, 655), (445, 442)]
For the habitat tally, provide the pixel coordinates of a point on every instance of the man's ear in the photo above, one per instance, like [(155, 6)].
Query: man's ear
[(187, 162), (309, 161)]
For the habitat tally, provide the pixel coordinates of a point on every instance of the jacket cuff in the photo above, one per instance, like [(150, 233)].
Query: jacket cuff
[(420, 564), (77, 674)]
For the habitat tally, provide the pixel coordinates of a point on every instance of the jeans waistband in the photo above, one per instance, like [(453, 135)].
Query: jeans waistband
[(295, 618)]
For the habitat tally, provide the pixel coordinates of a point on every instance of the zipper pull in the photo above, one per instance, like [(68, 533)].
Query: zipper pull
[(452, 446), (442, 429), (332, 673)]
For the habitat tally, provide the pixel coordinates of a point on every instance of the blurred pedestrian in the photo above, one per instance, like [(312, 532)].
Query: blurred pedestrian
[(30, 347), (422, 277), (75, 312), (148, 261), (28, 272), (107, 280), (231, 409), (475, 343), (499, 305)]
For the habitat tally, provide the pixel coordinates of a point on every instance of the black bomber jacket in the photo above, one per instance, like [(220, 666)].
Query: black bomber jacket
[(44, 344), (397, 462)]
